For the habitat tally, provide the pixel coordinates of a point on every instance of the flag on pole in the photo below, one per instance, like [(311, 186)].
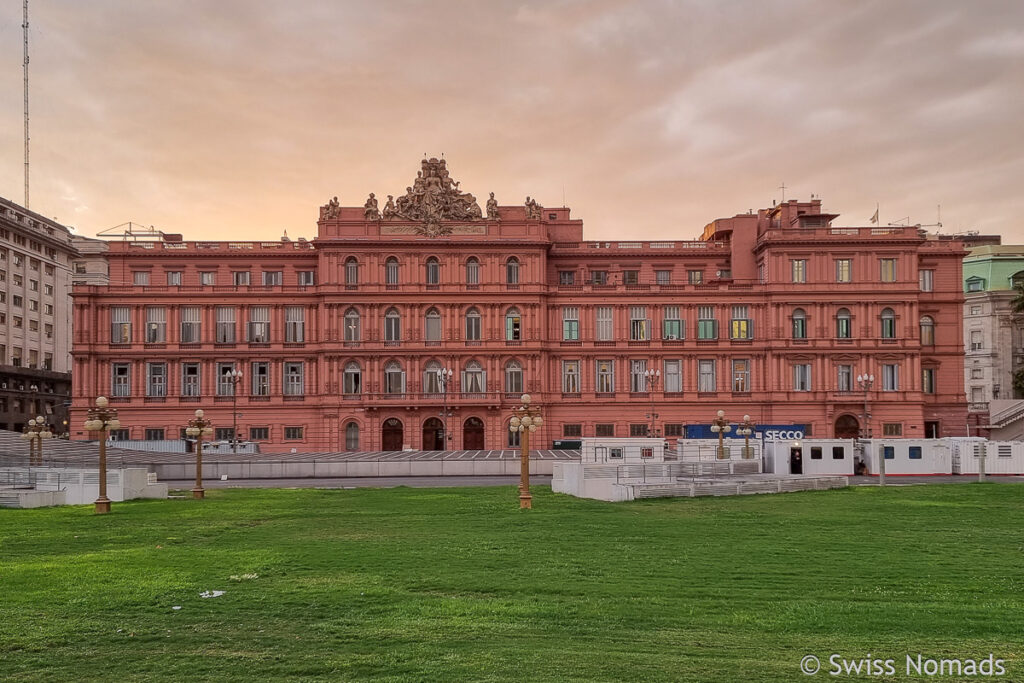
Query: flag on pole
[(874, 218)]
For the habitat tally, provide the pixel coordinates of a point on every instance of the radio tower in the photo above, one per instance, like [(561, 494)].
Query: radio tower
[(24, 26)]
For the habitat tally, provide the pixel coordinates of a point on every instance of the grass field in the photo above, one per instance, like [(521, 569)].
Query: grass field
[(458, 584)]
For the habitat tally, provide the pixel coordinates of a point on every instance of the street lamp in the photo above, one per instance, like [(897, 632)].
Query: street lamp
[(721, 427), (745, 429), (234, 376), (864, 382), (197, 429), (651, 378), (102, 419), (36, 431), (444, 375), (525, 419)]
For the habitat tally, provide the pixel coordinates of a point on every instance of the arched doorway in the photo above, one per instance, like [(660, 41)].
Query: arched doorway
[(473, 434), (392, 436), (847, 427), (433, 435)]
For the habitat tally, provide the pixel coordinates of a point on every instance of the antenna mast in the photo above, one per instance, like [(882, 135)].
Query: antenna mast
[(24, 26)]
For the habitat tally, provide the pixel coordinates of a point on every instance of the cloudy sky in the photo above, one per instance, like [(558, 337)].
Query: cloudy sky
[(237, 119)]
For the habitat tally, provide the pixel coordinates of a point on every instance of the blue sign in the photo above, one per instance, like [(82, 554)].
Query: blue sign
[(767, 432)]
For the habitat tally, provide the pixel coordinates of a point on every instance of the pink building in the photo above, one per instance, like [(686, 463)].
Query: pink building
[(339, 340)]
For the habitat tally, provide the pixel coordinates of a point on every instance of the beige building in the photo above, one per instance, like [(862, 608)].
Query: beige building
[(36, 257)]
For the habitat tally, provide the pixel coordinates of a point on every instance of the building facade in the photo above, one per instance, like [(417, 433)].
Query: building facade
[(339, 340), (36, 254), (994, 339)]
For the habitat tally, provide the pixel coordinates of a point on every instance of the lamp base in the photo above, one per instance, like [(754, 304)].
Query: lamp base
[(525, 501), (199, 492), (102, 505)]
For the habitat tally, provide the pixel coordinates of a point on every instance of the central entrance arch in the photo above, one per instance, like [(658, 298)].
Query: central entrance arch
[(433, 435), (847, 427), (473, 434), (392, 435)]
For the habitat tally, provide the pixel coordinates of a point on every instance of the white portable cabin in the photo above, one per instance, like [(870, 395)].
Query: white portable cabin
[(810, 456), (1001, 457), (617, 451), (707, 449), (608, 465), (909, 456)]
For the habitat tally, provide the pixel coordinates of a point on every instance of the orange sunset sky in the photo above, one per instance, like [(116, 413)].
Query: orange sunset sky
[(236, 119)]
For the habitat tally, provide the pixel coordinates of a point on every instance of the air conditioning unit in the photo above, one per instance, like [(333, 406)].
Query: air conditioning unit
[(671, 336)]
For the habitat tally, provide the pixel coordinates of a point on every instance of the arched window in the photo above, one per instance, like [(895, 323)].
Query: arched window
[(472, 271), (927, 331), (888, 319), (431, 381), (353, 331), (394, 378), (433, 271), (474, 379), (353, 380), (1017, 279), (391, 271), (351, 271), (352, 437), (799, 324), (844, 325), (392, 325), (513, 325), (513, 377), (512, 271), (473, 325), (432, 325)]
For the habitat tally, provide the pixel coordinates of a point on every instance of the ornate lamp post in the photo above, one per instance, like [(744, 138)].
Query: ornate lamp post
[(102, 419), (651, 378), (525, 419), (235, 377), (745, 429), (444, 376), (721, 427), (35, 433), (864, 382), (197, 429)]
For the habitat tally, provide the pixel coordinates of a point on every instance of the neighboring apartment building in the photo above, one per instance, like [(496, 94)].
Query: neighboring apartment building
[(36, 254), (772, 314), (994, 339)]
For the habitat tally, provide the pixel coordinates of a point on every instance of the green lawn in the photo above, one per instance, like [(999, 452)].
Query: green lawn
[(458, 584)]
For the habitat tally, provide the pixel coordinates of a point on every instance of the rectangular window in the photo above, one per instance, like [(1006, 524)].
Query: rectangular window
[(631, 277), (566, 277), (673, 429), (604, 430), (208, 278), (156, 379), (140, 277), (224, 433), (706, 381), (637, 378), (844, 378), (672, 324), (47, 289), (154, 434), (707, 325), (928, 380), (190, 379), (802, 377), (695, 277), (120, 325), (260, 383), (892, 429), (293, 433), (663, 277), (815, 452), (472, 272), (889, 452), (225, 325), (473, 322), (225, 380), (191, 331), (294, 380), (605, 376), (838, 452), (307, 278), (240, 278), (741, 375), (572, 430), (294, 324), (615, 453), (259, 433), (926, 278), (33, 285), (638, 324), (120, 379), (570, 323), (570, 377), (605, 324), (259, 325), (156, 325), (272, 278), (844, 270), (48, 309), (599, 277), (638, 429), (673, 376), (798, 270), (976, 343), (741, 324), (174, 278), (890, 377), (914, 452), (887, 269)]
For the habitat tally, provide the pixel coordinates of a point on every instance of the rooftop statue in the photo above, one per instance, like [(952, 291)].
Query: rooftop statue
[(370, 212), (434, 197)]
